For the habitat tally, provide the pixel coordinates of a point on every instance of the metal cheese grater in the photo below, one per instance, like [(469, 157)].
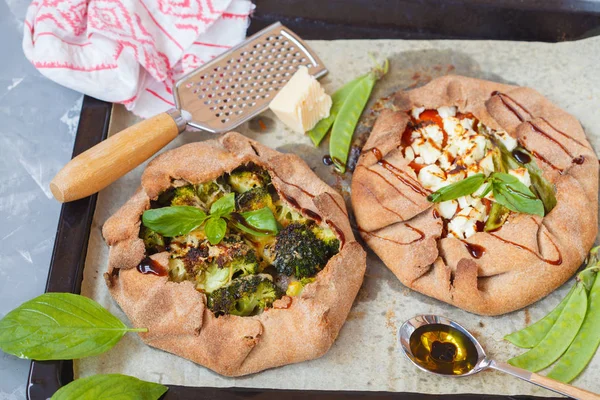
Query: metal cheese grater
[(239, 84), (217, 97)]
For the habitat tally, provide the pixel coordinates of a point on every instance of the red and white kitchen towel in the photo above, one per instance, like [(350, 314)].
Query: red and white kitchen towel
[(130, 51)]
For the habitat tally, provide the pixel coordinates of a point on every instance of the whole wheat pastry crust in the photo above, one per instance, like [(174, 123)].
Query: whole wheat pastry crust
[(529, 256), (176, 315)]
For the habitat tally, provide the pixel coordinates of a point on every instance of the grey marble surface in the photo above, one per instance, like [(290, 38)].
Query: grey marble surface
[(38, 121)]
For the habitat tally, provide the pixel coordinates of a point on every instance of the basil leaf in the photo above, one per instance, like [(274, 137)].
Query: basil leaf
[(225, 205), (215, 229), (110, 386), (457, 189), (60, 326), (262, 220), (240, 223), (511, 193), (507, 179), (173, 221)]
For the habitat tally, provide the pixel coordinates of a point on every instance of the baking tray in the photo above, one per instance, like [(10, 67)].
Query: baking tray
[(563, 20)]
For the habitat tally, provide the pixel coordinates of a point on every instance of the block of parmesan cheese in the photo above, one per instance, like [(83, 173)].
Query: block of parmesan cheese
[(302, 102)]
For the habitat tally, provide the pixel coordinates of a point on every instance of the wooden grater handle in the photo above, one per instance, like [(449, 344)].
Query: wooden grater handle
[(98, 167)]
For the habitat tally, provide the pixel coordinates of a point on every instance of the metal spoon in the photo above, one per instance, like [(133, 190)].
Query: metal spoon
[(483, 362)]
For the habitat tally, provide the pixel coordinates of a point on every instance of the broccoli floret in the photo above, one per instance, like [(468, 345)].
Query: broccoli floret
[(246, 264), (153, 241), (254, 199), (233, 248), (209, 192), (181, 245), (177, 271), (299, 252), (244, 296), (211, 266), (327, 236), (285, 215), (247, 178), (216, 276), (212, 278), (185, 196)]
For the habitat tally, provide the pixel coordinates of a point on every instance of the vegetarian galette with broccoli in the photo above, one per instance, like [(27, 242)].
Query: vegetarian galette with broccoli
[(479, 194), (234, 256)]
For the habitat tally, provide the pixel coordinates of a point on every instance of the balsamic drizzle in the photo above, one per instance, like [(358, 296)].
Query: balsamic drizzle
[(558, 261), (418, 231), (152, 267)]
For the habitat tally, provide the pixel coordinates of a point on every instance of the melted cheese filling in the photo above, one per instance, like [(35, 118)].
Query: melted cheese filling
[(446, 147)]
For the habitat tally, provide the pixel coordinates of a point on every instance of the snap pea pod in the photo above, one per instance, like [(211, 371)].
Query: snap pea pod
[(497, 216), (585, 344), (317, 133), (560, 336), (543, 189), (533, 334), (347, 118)]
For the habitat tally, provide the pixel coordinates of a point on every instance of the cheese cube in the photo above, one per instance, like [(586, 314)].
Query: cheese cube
[(448, 208), (416, 112), (447, 112), (432, 177), (302, 102)]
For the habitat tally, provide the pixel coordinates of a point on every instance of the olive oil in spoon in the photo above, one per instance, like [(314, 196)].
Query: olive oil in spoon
[(443, 347)]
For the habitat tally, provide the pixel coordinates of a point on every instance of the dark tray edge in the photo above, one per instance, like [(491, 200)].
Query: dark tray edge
[(70, 247), (532, 20)]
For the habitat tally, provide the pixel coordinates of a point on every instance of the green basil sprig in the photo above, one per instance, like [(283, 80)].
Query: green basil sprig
[(180, 220), (110, 386), (60, 326), (514, 195), (507, 189), (457, 189)]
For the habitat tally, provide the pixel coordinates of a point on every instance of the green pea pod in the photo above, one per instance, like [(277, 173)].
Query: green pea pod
[(583, 348), (317, 133), (533, 334), (543, 189), (345, 123), (588, 276), (497, 217), (347, 118), (560, 336)]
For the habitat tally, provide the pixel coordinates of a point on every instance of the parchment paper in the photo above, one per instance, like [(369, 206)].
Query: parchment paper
[(366, 355)]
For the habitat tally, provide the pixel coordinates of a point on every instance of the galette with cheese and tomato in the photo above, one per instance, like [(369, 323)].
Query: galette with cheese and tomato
[(480, 194)]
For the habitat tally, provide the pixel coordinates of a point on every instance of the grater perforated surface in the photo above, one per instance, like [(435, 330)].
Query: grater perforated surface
[(239, 84)]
